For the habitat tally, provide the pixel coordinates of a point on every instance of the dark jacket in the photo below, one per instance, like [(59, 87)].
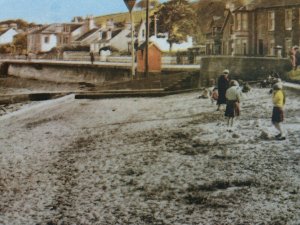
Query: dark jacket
[(223, 85)]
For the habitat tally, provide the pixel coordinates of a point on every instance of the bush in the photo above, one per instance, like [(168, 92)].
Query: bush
[(4, 49)]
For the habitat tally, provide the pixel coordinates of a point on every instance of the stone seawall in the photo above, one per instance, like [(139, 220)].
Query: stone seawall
[(58, 72), (245, 68)]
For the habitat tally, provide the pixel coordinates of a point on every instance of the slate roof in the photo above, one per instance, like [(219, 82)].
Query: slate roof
[(55, 28), (87, 34), (39, 30), (113, 34), (75, 26)]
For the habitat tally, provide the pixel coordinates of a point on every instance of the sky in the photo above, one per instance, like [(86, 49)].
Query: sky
[(50, 11)]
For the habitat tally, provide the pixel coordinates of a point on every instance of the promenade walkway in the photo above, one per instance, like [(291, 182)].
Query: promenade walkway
[(190, 67)]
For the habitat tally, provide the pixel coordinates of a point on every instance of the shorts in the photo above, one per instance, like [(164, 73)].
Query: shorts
[(277, 115), (232, 109)]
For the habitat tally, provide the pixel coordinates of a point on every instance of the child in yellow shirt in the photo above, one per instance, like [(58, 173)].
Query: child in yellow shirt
[(278, 98)]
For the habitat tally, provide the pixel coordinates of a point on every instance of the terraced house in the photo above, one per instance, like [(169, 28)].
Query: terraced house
[(262, 28), (44, 38)]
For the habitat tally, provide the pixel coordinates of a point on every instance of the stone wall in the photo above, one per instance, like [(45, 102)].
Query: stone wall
[(69, 72), (245, 68), (3, 69)]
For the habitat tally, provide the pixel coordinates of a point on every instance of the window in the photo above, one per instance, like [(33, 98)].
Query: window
[(272, 47), (271, 20), (231, 29), (238, 47), (46, 40), (288, 19), (245, 47), (214, 31), (288, 44), (67, 28), (238, 24), (66, 40), (244, 21), (260, 47)]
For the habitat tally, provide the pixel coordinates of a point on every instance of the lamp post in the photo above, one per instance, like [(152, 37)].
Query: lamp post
[(147, 40), (130, 4)]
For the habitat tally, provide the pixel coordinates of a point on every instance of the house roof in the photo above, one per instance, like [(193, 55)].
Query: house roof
[(87, 34), (115, 32), (55, 28), (75, 26), (38, 31), (227, 20), (3, 31), (216, 21)]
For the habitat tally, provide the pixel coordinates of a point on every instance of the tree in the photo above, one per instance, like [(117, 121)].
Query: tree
[(5, 49), (143, 3), (205, 10), (175, 16), (20, 42), (23, 25)]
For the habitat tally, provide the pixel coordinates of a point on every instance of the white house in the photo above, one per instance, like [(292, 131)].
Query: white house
[(111, 36), (119, 39), (7, 36), (48, 41), (42, 39)]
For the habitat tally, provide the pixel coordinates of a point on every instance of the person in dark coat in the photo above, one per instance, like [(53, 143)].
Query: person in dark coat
[(92, 57), (223, 85), (297, 57)]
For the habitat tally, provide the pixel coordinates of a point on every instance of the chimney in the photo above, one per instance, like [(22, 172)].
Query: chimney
[(89, 23), (110, 24)]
